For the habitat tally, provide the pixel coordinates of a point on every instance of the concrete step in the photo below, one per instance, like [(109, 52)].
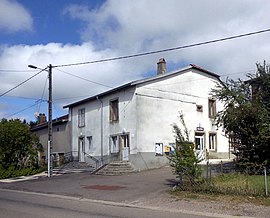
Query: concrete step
[(74, 167), (117, 168)]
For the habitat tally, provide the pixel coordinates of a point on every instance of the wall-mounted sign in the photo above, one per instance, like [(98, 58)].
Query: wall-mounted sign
[(159, 149), (199, 128)]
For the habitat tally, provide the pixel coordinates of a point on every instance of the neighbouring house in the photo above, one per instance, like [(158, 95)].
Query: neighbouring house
[(133, 122), (60, 138)]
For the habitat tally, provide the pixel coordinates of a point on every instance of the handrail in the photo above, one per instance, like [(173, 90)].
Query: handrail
[(93, 158)]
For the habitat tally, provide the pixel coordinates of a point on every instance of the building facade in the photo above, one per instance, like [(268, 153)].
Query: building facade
[(61, 137), (133, 122)]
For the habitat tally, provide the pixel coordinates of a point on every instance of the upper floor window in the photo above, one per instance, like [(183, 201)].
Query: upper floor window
[(114, 110), (212, 107), (81, 117)]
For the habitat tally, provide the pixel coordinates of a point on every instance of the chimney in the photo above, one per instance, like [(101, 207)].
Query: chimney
[(161, 66), (41, 118)]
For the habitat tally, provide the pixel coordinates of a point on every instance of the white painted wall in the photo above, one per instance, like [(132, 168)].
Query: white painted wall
[(147, 112), (159, 104), (127, 122)]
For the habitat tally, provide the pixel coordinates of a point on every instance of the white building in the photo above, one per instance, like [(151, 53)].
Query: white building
[(134, 121)]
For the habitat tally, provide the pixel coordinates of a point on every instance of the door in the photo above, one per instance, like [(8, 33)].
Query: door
[(124, 146), (199, 145), (81, 150)]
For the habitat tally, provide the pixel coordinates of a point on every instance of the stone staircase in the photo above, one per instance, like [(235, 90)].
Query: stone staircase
[(74, 167), (117, 168)]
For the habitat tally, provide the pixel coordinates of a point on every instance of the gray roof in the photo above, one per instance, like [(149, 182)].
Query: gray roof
[(137, 82)]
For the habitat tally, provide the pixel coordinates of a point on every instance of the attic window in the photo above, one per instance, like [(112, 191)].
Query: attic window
[(114, 110), (199, 108)]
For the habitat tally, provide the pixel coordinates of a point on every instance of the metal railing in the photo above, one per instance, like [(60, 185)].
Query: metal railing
[(97, 161)]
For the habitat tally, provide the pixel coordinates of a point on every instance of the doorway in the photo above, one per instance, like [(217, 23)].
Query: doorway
[(81, 150), (199, 145), (124, 146)]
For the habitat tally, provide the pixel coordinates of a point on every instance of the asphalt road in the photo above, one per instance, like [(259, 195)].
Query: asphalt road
[(124, 188), (27, 205)]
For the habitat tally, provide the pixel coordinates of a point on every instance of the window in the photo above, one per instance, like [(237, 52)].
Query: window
[(212, 107), (212, 141), (114, 144), (89, 139), (81, 117), (199, 108), (114, 110)]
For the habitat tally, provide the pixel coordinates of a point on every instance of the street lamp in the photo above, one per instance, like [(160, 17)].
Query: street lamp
[(49, 145)]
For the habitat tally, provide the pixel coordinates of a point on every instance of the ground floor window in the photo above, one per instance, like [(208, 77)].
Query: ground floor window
[(90, 144), (212, 141), (114, 144)]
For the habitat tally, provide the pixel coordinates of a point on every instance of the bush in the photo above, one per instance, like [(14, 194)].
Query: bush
[(11, 172)]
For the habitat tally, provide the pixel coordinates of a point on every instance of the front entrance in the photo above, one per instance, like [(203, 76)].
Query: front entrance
[(124, 146), (81, 150), (199, 145), (119, 147)]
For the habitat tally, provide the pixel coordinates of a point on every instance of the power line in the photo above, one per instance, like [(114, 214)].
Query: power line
[(23, 110), (31, 77), (79, 77), (164, 50)]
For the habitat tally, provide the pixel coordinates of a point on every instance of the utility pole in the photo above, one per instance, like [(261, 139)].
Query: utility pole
[(50, 152), (49, 145)]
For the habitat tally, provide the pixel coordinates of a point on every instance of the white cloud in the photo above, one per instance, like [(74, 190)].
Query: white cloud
[(14, 17), (130, 27), (127, 27)]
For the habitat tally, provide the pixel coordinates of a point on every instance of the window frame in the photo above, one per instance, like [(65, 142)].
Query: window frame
[(212, 107), (114, 144), (114, 110), (81, 117), (212, 139)]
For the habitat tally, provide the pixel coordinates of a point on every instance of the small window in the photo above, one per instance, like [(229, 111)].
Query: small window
[(81, 117), (114, 110), (89, 139), (212, 108), (114, 144), (199, 108), (212, 141)]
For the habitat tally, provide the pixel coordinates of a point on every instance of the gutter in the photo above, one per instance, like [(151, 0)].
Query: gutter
[(101, 128)]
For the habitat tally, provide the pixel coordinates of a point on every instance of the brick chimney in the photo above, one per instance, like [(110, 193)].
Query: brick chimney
[(41, 118), (161, 66)]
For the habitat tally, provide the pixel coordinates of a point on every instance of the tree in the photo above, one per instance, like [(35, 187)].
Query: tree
[(183, 160), (18, 146), (246, 117)]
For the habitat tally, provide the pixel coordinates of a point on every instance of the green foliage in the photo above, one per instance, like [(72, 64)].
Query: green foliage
[(183, 160), (18, 146), (11, 172), (246, 117)]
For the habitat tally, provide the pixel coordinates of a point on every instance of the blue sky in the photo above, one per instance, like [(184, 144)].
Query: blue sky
[(71, 31)]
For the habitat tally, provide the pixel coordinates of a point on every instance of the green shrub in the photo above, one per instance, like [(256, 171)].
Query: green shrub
[(11, 172)]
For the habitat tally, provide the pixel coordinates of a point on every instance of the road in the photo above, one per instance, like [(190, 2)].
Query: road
[(24, 204)]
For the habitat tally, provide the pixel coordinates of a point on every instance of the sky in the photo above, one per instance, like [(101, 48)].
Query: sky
[(65, 32)]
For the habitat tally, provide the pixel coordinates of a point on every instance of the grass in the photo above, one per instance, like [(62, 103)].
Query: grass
[(240, 184), (237, 188)]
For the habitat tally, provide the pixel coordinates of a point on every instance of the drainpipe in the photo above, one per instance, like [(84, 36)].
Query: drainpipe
[(101, 128)]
